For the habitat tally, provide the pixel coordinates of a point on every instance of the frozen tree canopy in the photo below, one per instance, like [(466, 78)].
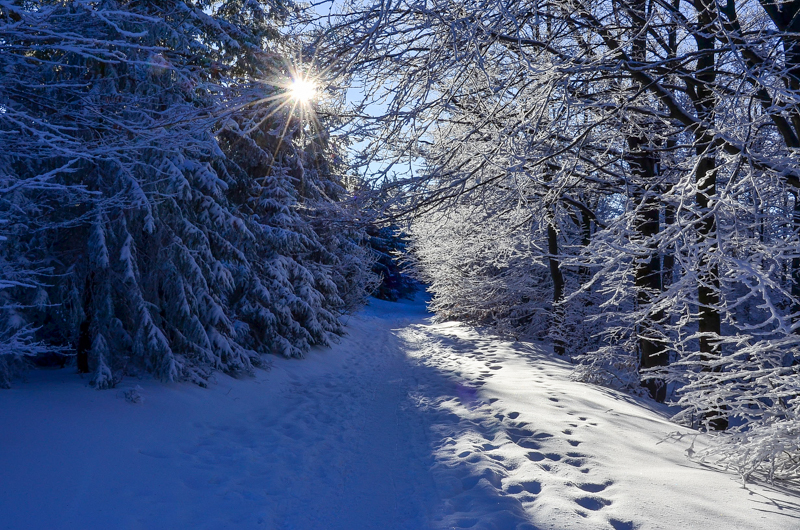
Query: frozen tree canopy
[(621, 177)]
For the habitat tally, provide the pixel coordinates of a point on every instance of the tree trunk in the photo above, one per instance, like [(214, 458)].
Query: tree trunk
[(558, 288), (708, 290), (643, 166), (652, 352), (795, 267), (84, 334)]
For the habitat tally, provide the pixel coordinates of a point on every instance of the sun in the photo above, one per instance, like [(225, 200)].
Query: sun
[(303, 90)]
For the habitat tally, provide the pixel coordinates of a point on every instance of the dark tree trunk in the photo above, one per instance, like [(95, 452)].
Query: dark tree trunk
[(643, 165), (786, 17), (558, 288), (84, 332), (708, 290), (668, 260), (586, 237), (652, 352), (84, 345)]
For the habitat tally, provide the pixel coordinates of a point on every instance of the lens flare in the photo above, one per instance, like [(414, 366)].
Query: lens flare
[(303, 90)]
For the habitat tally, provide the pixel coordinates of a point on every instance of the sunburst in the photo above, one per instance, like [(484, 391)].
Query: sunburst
[(303, 91)]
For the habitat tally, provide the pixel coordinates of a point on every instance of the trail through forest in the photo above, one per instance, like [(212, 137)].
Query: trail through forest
[(405, 424)]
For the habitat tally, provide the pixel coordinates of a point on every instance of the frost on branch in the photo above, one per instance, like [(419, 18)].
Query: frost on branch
[(626, 170)]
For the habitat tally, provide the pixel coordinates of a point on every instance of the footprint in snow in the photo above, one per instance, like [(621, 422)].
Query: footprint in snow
[(592, 503), (533, 487), (592, 488), (527, 443), (517, 433), (536, 456), (491, 476)]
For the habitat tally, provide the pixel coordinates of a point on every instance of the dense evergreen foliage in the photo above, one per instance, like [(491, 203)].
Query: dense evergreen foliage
[(390, 248), (167, 208)]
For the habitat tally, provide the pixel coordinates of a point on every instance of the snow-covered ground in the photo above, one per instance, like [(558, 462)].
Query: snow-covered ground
[(402, 425)]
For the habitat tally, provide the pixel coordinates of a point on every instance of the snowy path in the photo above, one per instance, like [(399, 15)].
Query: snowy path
[(403, 425)]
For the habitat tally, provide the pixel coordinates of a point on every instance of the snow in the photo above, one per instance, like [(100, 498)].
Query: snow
[(405, 424)]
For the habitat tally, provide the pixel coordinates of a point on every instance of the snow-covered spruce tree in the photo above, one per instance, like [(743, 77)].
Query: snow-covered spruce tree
[(389, 245), (187, 251)]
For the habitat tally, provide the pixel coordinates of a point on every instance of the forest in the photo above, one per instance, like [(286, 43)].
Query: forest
[(619, 179)]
